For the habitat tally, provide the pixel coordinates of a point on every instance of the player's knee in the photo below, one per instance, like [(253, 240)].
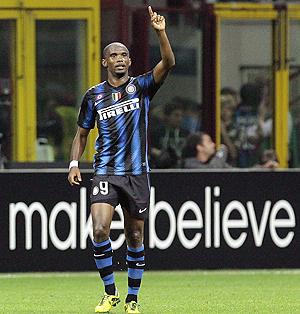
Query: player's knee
[(101, 232), (135, 238)]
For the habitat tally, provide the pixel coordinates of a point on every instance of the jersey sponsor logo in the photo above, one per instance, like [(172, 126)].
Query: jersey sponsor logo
[(140, 264), (115, 110), (116, 96), (130, 89)]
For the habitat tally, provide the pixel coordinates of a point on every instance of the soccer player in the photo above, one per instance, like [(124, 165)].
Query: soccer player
[(120, 106)]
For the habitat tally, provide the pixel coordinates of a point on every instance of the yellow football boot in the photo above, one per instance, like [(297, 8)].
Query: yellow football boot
[(107, 302), (132, 307)]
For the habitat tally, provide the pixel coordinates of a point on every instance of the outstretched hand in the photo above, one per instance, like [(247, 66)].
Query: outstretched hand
[(157, 21)]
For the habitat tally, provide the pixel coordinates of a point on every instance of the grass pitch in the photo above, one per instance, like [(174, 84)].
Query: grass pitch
[(161, 292)]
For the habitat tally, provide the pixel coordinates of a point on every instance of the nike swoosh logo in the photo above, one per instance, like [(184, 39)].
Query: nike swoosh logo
[(140, 264), (98, 255), (142, 210)]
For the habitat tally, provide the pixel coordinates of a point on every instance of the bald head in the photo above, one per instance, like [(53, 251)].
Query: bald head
[(107, 49)]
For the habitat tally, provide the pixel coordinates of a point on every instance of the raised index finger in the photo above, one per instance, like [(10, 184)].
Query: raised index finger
[(150, 11)]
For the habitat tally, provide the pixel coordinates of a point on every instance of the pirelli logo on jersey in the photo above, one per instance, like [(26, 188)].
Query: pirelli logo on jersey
[(115, 110)]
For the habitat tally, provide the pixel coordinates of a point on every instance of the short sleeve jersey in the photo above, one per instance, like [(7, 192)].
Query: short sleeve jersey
[(121, 114)]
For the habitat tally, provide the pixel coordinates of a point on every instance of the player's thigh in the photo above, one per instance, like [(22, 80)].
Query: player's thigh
[(102, 214), (136, 197)]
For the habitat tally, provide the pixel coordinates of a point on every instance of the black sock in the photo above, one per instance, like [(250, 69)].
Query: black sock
[(131, 297), (110, 289)]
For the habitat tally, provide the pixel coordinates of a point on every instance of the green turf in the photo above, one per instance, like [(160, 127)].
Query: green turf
[(162, 292)]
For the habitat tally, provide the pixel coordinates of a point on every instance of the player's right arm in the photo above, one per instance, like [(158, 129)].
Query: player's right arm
[(78, 146)]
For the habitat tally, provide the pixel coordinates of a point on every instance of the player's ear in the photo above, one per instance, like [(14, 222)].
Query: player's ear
[(104, 63), (129, 62)]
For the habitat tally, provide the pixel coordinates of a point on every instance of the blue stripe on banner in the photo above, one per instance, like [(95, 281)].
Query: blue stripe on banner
[(135, 273), (120, 155), (101, 263), (136, 142)]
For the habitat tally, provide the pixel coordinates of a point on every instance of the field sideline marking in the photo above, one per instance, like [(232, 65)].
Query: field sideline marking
[(199, 272)]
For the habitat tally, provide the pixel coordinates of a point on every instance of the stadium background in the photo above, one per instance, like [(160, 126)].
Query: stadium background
[(200, 220), (50, 54)]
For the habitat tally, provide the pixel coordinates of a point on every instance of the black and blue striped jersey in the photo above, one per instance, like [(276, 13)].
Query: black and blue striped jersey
[(122, 120)]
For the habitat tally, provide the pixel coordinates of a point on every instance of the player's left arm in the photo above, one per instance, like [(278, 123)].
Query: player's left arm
[(162, 69)]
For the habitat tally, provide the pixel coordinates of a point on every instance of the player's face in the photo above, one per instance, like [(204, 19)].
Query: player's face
[(117, 60)]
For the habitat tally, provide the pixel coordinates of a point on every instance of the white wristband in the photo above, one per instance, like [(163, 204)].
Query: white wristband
[(73, 163)]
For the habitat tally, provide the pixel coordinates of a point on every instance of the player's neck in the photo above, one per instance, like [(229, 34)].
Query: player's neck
[(117, 81)]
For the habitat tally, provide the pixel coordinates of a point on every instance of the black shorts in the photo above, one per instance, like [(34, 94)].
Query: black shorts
[(130, 191)]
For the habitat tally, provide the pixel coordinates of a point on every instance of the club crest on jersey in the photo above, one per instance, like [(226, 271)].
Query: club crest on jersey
[(130, 89), (118, 109), (95, 190), (116, 96)]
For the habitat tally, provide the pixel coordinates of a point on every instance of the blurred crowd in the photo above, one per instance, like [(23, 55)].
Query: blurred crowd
[(176, 135), (178, 141)]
